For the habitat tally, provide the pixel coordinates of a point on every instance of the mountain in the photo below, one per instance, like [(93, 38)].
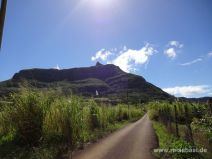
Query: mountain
[(197, 100), (108, 81)]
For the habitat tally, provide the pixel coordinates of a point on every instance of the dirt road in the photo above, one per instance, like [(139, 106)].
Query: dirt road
[(135, 141)]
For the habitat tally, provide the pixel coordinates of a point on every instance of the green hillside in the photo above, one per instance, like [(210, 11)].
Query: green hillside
[(108, 80)]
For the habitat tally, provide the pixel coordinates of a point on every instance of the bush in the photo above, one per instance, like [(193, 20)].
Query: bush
[(180, 144), (24, 117)]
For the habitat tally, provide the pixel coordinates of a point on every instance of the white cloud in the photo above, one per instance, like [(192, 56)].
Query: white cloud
[(171, 53), (188, 91), (129, 59), (126, 59), (177, 44), (192, 62), (210, 54), (101, 55), (172, 49)]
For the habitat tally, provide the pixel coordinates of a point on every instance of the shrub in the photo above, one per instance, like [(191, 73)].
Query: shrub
[(24, 117), (181, 144)]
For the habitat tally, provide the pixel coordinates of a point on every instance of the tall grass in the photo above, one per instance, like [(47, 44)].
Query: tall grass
[(23, 117), (165, 111), (35, 118), (184, 120)]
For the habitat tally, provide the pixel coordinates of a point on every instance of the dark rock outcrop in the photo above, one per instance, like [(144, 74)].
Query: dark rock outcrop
[(109, 80)]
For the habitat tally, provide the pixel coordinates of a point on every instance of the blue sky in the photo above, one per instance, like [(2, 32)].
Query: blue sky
[(168, 42)]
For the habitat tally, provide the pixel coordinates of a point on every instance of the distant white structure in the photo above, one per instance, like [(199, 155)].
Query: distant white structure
[(97, 93), (57, 67)]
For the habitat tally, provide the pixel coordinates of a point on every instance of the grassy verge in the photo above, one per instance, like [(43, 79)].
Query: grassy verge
[(52, 150), (186, 125), (169, 145), (98, 134), (48, 125)]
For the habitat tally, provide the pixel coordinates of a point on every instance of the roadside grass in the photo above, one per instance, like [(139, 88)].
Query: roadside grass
[(98, 134), (52, 150), (48, 125), (169, 142), (189, 123), (201, 137)]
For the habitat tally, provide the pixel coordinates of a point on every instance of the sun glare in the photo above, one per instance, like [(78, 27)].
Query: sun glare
[(102, 2)]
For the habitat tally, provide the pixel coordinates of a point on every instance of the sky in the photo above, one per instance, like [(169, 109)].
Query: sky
[(168, 42)]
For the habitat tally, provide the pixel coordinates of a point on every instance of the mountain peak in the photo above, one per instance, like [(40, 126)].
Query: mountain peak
[(99, 64)]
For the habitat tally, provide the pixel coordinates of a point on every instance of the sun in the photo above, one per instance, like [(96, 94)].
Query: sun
[(98, 6), (102, 3)]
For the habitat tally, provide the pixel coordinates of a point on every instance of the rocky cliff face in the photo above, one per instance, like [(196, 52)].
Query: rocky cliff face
[(109, 80), (99, 71)]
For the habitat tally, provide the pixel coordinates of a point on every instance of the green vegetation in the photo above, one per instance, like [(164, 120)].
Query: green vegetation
[(167, 142), (109, 80), (48, 125), (186, 125)]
